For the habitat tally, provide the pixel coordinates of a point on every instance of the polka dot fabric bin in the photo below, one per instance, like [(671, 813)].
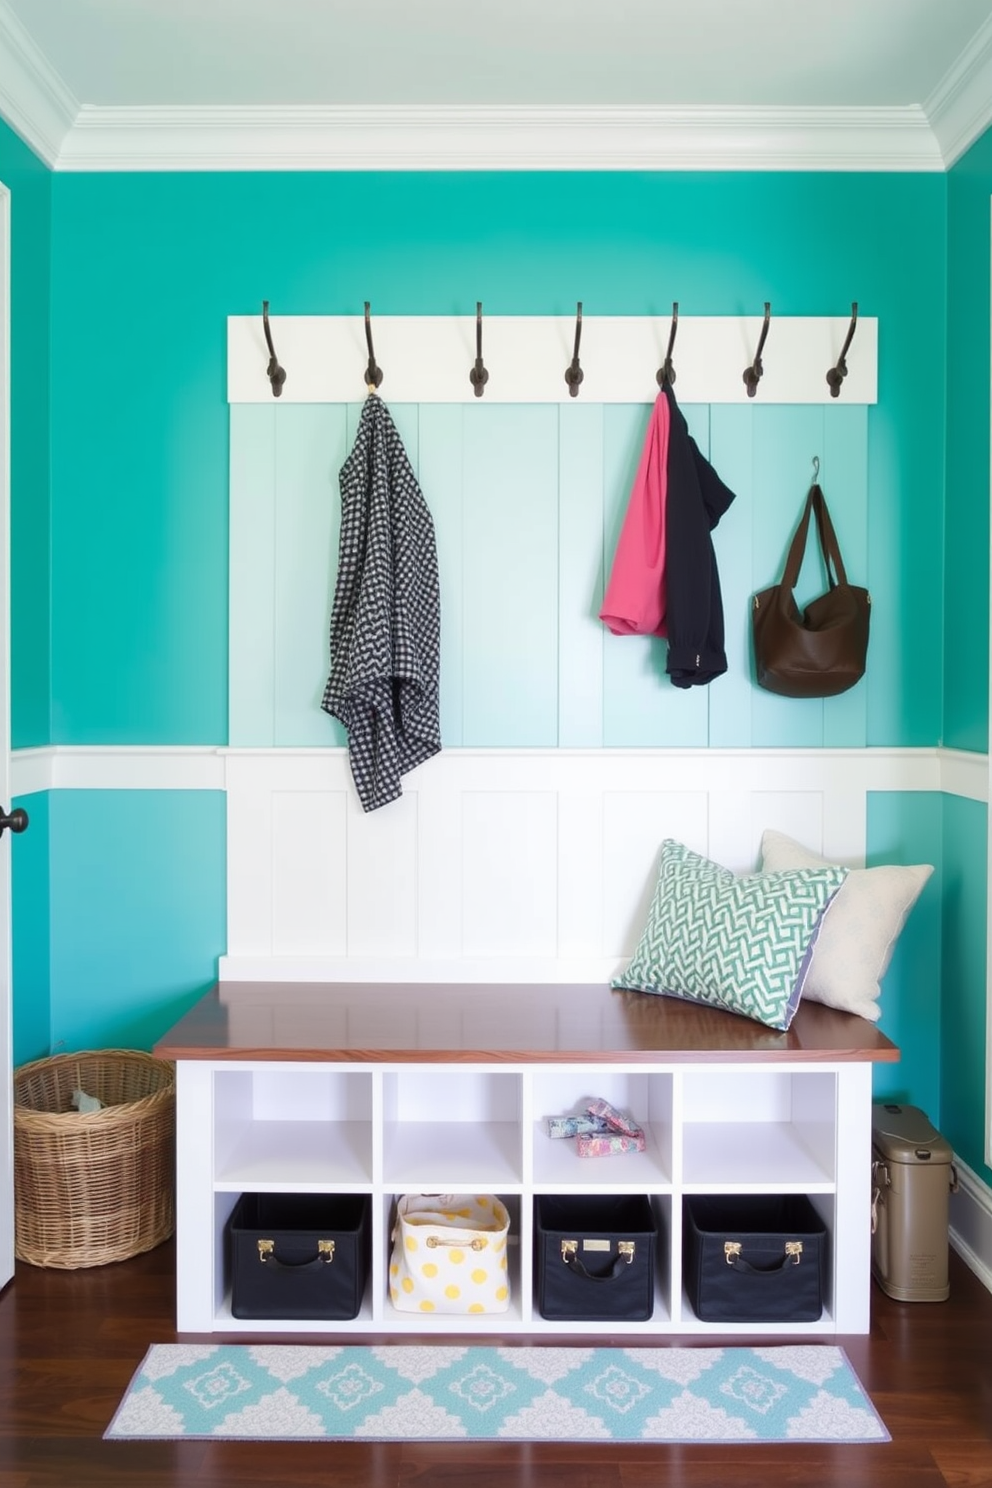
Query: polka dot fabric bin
[(449, 1254)]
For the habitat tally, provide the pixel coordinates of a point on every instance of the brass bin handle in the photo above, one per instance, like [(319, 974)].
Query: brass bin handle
[(267, 1255), (732, 1251)]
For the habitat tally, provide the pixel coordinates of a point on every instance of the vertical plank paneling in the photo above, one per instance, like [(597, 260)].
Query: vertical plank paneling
[(734, 839), (511, 575), (440, 833), (310, 449), (382, 879), (844, 478), (527, 504), (799, 814), (730, 695), (580, 576), (250, 866), (785, 441), (309, 873), (634, 826), (440, 471), (252, 639), (509, 871), (580, 874)]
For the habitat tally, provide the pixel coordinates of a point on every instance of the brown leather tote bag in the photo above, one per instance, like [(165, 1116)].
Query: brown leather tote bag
[(822, 651)]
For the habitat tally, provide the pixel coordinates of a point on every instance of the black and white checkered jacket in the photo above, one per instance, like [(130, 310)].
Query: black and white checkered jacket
[(386, 616)]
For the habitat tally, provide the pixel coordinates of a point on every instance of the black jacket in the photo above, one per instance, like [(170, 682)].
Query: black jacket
[(697, 499)]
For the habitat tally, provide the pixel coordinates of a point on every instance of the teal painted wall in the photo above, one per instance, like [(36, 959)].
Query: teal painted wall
[(137, 910), (907, 827), (30, 186), (966, 649), (963, 1046), (140, 464), (966, 616), (31, 911)]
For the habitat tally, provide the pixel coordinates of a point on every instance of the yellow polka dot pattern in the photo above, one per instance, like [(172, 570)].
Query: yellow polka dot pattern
[(449, 1255)]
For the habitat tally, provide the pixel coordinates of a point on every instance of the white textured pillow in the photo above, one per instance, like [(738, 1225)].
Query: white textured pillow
[(855, 944)]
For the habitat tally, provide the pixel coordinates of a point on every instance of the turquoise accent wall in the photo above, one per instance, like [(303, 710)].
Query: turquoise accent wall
[(140, 464), (30, 186), (31, 912), (966, 615), (907, 827), (966, 650), (138, 911), (963, 1045)]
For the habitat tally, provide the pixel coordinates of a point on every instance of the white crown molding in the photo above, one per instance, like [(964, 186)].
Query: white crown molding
[(66, 136), (960, 107), (33, 98), (493, 138)]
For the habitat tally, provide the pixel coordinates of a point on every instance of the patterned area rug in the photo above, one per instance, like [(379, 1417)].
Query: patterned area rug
[(804, 1393)]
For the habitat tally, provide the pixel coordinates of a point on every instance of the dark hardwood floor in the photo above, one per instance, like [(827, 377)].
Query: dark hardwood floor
[(70, 1340)]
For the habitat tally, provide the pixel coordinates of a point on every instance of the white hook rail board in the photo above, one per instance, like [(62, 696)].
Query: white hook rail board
[(427, 359)]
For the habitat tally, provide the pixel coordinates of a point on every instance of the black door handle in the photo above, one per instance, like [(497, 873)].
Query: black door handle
[(17, 820)]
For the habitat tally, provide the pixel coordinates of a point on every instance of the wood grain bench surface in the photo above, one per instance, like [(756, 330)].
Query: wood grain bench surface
[(489, 1023)]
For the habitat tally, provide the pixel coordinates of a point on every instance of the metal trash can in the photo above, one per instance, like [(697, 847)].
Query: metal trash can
[(912, 1179)]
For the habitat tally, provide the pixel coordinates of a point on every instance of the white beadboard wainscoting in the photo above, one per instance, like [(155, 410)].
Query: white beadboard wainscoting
[(505, 864), (519, 865)]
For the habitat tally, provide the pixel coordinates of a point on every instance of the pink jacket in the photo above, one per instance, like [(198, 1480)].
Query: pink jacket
[(634, 602)]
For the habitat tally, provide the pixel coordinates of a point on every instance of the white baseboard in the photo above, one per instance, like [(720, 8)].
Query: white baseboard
[(971, 1222)]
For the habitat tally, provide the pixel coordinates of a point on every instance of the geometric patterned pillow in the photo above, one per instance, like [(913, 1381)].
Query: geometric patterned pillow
[(743, 944)]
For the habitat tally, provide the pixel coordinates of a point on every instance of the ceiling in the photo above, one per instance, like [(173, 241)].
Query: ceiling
[(96, 84)]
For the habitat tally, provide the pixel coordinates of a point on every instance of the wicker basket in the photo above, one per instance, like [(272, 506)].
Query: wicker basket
[(99, 1187)]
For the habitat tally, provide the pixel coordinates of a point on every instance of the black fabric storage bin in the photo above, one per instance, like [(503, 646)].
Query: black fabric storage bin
[(299, 1255), (765, 1279), (594, 1257)]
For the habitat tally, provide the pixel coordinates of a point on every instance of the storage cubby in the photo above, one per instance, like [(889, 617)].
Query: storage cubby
[(642, 1095), (758, 1114), (758, 1128), (279, 1126), (446, 1129)]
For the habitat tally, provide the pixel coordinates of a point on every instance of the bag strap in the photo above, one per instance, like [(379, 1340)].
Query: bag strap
[(829, 545), (832, 560)]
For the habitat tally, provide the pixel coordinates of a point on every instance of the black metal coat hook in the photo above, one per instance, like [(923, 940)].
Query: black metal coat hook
[(837, 374), (275, 373), (574, 373), (754, 373), (478, 376), (373, 373), (666, 372)]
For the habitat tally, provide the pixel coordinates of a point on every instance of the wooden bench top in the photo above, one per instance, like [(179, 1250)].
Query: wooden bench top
[(486, 1023)]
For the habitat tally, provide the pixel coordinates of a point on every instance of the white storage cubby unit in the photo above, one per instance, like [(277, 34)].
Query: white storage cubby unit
[(776, 1114)]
